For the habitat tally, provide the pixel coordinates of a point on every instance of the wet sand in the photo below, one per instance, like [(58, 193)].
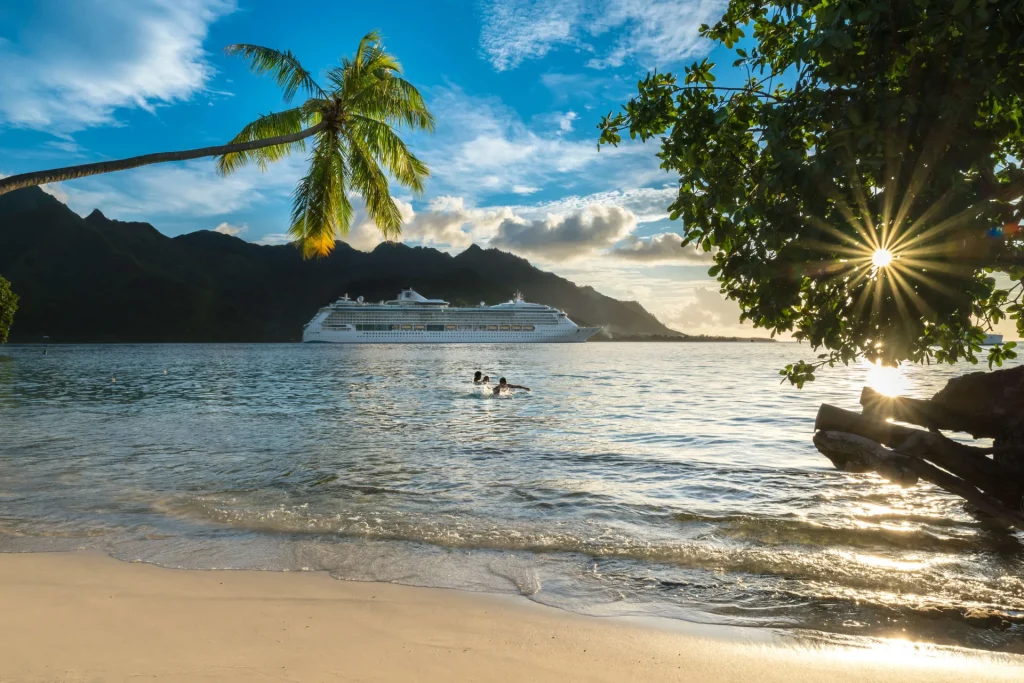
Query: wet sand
[(86, 617)]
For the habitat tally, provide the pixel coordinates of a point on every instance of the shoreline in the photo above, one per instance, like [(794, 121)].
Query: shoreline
[(80, 616)]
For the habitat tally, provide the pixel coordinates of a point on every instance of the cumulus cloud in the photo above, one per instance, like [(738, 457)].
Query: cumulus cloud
[(226, 228), (568, 236), (648, 204), (708, 310), (664, 247), (446, 223), (79, 61), (565, 121), (654, 32)]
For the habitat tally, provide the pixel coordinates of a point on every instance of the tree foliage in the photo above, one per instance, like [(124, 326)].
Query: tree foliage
[(8, 305), (859, 127)]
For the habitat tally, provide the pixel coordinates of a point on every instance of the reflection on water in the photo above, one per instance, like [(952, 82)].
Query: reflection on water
[(665, 479)]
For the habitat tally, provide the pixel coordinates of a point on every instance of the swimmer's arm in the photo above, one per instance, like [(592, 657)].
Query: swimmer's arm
[(517, 386)]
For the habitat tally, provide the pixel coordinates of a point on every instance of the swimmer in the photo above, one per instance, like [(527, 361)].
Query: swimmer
[(505, 386), (477, 377), (485, 380)]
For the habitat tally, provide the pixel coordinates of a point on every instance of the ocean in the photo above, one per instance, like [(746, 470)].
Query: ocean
[(663, 479)]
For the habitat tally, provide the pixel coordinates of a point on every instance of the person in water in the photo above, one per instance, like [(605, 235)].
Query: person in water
[(477, 377), (505, 386)]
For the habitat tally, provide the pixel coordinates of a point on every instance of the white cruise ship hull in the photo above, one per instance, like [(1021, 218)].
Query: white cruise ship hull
[(413, 319), (564, 336)]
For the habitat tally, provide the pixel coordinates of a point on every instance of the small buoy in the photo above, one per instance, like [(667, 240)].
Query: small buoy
[(165, 372)]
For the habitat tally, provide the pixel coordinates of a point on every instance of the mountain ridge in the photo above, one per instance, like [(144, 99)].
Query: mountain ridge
[(97, 279)]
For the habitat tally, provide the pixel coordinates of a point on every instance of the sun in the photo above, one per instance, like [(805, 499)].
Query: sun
[(881, 258)]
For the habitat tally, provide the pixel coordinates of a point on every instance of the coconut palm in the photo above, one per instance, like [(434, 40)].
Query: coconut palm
[(355, 146)]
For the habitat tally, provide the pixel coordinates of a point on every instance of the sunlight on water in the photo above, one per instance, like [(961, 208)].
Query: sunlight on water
[(606, 490)]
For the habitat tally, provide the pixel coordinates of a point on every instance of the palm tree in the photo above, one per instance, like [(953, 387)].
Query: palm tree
[(355, 145)]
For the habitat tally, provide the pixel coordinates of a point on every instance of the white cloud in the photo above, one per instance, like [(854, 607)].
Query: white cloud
[(565, 121), (226, 228), (525, 189), (568, 236), (68, 146), (275, 239), (81, 60), (57, 190), (664, 247), (648, 204), (516, 30), (482, 147), (708, 313), (654, 32), (446, 223)]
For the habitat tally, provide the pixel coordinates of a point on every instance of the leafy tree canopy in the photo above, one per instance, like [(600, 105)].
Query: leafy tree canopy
[(8, 305), (860, 188)]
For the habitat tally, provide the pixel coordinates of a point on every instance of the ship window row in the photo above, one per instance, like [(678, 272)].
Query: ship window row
[(484, 321), (368, 327), (433, 315)]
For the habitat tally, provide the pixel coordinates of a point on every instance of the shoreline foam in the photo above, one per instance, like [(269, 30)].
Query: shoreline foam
[(85, 616)]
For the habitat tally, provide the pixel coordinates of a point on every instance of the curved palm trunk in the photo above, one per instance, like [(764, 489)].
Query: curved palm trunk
[(16, 182)]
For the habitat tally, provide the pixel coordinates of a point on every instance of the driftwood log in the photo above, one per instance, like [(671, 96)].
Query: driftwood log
[(983, 404)]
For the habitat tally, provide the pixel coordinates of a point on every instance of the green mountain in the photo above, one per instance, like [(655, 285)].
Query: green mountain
[(94, 279)]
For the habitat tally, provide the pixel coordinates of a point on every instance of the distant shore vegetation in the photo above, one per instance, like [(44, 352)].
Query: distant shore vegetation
[(8, 305)]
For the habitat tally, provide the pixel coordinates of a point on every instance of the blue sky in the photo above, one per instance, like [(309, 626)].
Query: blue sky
[(517, 88)]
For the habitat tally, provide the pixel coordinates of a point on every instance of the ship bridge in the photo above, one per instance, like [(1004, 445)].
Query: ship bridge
[(410, 297)]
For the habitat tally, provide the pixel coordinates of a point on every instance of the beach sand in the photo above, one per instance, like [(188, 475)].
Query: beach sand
[(86, 617)]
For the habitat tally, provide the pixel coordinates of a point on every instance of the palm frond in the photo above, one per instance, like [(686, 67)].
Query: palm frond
[(387, 148), (370, 181), (283, 66), (357, 149), (395, 100), (366, 45), (321, 210), (266, 127)]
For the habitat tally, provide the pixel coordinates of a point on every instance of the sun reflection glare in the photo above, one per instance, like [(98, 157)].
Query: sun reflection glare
[(887, 380), (881, 258)]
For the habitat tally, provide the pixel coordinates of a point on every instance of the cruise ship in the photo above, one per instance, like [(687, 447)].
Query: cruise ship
[(413, 319)]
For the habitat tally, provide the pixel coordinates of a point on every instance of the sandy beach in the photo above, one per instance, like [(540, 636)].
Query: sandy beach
[(87, 617)]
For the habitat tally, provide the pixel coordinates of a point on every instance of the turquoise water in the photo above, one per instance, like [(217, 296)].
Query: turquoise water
[(676, 480)]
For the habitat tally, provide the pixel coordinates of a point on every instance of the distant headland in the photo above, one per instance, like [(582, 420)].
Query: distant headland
[(94, 279)]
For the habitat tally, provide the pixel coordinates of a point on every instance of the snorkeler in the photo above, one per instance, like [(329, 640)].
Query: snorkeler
[(505, 386)]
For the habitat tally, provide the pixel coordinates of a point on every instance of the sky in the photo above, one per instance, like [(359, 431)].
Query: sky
[(517, 88)]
